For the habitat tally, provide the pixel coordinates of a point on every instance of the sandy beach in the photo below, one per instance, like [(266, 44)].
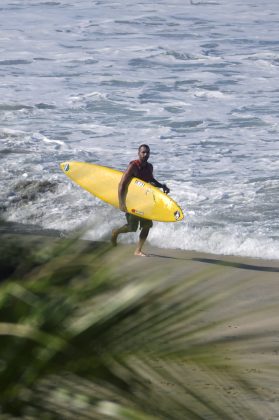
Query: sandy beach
[(236, 302), (240, 307)]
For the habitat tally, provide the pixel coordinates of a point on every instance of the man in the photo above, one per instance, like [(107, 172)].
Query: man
[(141, 169)]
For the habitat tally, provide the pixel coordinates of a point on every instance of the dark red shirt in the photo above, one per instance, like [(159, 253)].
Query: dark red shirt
[(144, 172)]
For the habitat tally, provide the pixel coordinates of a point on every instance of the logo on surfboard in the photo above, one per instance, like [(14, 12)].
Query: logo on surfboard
[(137, 212), (139, 183), (66, 167)]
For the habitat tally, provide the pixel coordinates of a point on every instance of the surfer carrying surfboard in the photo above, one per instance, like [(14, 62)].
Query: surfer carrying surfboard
[(143, 170)]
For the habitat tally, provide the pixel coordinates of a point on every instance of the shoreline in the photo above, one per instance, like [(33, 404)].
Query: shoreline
[(243, 262)]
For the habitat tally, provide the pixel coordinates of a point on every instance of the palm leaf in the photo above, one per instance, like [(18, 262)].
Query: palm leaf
[(82, 337)]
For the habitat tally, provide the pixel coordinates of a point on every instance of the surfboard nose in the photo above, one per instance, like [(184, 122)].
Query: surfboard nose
[(178, 215), (65, 166)]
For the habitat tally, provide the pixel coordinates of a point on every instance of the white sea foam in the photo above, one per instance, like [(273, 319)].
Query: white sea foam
[(211, 94)]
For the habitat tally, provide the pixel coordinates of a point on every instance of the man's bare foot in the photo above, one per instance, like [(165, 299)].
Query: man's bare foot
[(113, 238), (140, 254)]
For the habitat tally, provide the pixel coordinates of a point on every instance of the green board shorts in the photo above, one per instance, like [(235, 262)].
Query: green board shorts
[(134, 221)]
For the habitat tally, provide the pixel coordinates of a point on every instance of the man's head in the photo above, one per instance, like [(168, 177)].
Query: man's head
[(143, 152)]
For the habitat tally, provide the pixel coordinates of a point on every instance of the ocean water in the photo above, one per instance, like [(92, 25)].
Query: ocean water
[(196, 80)]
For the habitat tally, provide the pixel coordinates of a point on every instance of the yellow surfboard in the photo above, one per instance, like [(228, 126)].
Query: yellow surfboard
[(142, 199)]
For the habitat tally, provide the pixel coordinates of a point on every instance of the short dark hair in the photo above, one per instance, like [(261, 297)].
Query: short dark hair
[(144, 145)]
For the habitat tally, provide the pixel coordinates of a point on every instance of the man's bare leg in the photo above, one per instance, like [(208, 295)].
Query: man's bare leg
[(116, 232), (142, 238)]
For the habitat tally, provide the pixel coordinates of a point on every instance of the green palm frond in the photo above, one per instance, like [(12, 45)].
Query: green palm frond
[(87, 334)]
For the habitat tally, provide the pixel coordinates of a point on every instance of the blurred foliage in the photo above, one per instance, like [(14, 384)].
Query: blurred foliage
[(83, 340)]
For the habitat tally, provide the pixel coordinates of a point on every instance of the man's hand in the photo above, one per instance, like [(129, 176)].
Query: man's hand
[(165, 189)]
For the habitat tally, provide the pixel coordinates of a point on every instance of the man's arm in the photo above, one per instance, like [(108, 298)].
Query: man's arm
[(159, 185), (123, 185)]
